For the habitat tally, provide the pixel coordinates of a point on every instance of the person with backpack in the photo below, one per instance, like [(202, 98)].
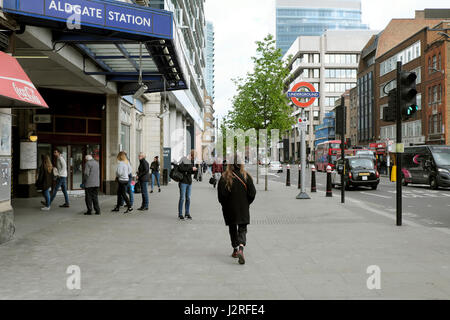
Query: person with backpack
[(236, 192), (187, 168), (45, 181)]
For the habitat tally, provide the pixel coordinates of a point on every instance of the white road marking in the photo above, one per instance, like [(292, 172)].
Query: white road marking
[(376, 195), (393, 217)]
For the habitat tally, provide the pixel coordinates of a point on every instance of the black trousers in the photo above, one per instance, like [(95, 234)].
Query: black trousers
[(122, 194), (91, 198), (238, 234)]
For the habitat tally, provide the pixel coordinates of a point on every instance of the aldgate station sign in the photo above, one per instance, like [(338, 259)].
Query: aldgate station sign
[(97, 13), (106, 14)]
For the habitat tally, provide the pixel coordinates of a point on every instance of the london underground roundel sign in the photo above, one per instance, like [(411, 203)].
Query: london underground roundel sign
[(297, 93)]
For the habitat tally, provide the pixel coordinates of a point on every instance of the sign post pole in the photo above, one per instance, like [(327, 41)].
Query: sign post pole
[(297, 92)]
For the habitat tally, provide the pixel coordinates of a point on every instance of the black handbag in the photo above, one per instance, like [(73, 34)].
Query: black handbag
[(137, 187), (212, 180)]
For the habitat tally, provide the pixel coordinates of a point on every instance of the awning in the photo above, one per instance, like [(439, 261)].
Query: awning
[(16, 89), (110, 33)]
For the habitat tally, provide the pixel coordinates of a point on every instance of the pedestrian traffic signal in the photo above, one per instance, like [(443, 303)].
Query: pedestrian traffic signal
[(408, 94), (390, 112)]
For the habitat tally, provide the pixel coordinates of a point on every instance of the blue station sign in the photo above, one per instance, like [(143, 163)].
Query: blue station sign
[(110, 15)]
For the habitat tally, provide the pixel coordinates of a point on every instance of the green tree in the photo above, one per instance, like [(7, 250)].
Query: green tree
[(260, 101)]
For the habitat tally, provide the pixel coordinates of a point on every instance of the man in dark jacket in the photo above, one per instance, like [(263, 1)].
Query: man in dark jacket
[(91, 182), (155, 173), (236, 192), (143, 177), (187, 168)]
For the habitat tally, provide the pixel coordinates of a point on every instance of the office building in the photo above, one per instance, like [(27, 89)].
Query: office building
[(210, 59), (296, 18), (329, 62)]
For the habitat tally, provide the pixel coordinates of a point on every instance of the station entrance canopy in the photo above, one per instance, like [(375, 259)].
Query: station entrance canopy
[(122, 39)]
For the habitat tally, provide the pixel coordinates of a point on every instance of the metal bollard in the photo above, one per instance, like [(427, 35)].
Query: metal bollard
[(329, 189), (313, 179), (288, 176), (299, 176)]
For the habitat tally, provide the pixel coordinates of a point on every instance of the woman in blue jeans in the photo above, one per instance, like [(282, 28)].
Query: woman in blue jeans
[(187, 168), (45, 181)]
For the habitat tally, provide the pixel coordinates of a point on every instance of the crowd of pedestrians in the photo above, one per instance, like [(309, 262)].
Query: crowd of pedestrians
[(235, 188)]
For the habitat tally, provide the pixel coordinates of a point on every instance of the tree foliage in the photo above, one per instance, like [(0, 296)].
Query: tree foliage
[(260, 102)]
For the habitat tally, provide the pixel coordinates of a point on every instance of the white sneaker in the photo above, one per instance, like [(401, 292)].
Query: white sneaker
[(45, 208)]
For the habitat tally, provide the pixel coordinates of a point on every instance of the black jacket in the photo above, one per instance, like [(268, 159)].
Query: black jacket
[(236, 203), (185, 167), (155, 166), (143, 171)]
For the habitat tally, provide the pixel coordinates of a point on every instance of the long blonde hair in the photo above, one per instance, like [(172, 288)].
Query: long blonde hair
[(122, 156), (228, 174), (48, 164)]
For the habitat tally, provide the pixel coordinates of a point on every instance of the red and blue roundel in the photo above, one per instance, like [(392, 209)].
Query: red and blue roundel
[(311, 95)]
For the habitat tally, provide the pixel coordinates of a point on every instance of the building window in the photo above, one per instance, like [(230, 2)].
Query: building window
[(125, 138), (419, 100)]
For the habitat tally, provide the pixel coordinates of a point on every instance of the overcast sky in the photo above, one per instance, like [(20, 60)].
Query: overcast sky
[(239, 23)]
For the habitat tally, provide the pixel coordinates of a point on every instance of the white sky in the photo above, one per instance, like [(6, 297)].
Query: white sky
[(239, 23)]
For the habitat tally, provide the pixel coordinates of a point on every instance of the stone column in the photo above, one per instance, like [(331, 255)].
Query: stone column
[(112, 142), (152, 127)]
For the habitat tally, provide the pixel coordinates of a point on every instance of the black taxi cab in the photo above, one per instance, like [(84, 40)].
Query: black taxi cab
[(359, 171)]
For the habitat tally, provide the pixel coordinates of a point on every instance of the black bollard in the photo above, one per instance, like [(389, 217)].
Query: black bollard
[(329, 189), (299, 176), (313, 179), (288, 176)]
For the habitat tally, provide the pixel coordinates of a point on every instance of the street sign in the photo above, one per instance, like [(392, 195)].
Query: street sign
[(302, 123), (298, 92)]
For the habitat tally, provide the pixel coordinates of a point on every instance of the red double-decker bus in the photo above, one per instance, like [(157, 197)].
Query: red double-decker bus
[(326, 154)]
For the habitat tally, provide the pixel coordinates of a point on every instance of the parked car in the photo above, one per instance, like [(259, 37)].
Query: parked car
[(426, 165), (360, 171), (276, 166)]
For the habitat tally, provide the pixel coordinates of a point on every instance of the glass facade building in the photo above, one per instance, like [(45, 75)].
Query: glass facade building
[(209, 55), (313, 18)]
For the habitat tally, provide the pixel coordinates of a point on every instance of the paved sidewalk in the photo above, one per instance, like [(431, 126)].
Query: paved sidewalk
[(297, 249)]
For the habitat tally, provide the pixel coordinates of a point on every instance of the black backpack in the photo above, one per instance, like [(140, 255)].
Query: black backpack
[(175, 173)]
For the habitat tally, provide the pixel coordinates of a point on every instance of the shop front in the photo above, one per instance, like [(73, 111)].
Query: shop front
[(16, 91)]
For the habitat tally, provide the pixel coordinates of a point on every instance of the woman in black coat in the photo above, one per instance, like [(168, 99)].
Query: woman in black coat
[(236, 192)]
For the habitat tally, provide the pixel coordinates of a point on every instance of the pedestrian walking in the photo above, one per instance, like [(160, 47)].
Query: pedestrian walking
[(236, 192), (217, 170), (45, 181), (155, 166), (187, 168), (123, 173), (91, 183), (130, 185), (143, 177), (60, 172)]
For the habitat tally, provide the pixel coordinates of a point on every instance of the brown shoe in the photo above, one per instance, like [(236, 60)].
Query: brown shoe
[(235, 254), (240, 255)]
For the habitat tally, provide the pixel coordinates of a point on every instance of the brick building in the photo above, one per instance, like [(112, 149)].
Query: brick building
[(436, 79)]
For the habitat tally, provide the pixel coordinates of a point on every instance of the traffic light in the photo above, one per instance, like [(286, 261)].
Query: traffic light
[(340, 118), (390, 112), (408, 94)]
